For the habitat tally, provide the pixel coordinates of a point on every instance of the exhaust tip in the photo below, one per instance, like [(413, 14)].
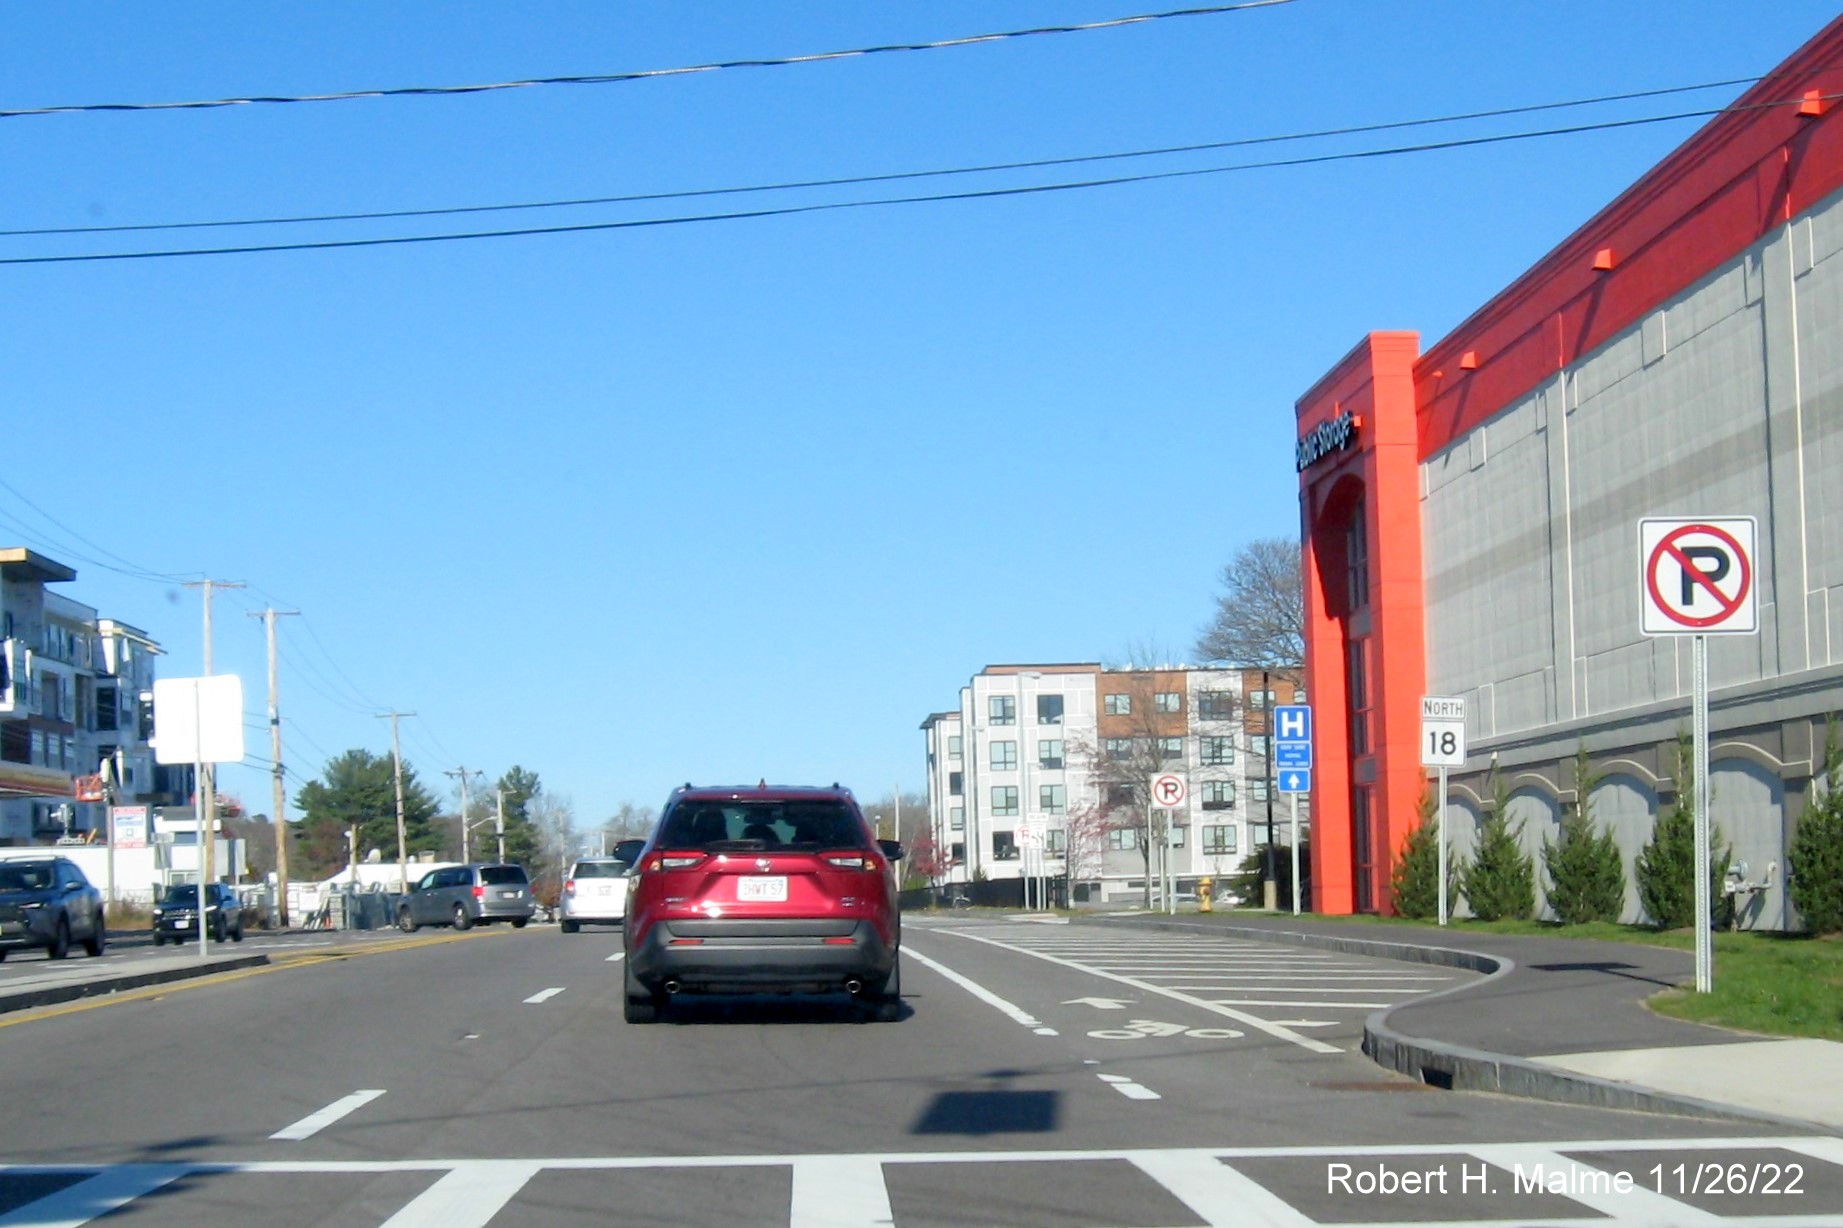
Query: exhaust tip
[(671, 986), (854, 986)]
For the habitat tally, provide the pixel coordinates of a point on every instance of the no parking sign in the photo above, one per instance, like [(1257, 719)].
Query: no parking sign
[(1698, 576)]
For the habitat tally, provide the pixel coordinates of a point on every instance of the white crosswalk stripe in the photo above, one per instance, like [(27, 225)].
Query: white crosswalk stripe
[(1277, 1187)]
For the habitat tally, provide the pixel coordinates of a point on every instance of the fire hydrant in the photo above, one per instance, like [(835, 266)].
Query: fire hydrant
[(1204, 886)]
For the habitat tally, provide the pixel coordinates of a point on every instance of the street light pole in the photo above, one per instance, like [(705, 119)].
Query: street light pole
[(1270, 887)]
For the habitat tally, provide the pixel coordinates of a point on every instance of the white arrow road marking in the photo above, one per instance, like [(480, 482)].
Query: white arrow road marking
[(1126, 1087), (1253, 1021), (1105, 1004), (985, 995), (544, 995), (313, 1123)]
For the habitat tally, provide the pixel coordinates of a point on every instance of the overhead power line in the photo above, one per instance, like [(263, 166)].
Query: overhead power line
[(425, 91), (884, 202), (892, 177)]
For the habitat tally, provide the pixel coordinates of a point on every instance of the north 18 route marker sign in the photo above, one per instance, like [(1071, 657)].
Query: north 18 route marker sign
[(1442, 746), (1698, 576)]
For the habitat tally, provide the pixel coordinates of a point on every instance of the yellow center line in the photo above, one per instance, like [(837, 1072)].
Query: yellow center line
[(278, 963)]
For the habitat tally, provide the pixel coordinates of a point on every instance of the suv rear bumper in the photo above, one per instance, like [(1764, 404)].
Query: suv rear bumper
[(762, 956)]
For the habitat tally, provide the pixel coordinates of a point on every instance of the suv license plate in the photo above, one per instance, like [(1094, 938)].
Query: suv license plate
[(762, 887), (508, 895)]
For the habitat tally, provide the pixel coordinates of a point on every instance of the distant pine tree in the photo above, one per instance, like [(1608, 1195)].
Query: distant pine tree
[(1415, 880), (1816, 854), (1501, 881), (1665, 868), (1586, 872)]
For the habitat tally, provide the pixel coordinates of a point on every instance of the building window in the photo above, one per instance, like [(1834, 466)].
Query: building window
[(1121, 838), (1004, 800), (1219, 839), (1257, 746), (1049, 709), (1118, 796), (1257, 790), (1260, 699), (1004, 846), (1052, 799), (1177, 836), (1356, 560), (956, 853), (1117, 705), (1356, 660), (1003, 709), (1055, 841), (108, 709), (956, 818), (1117, 750), (1049, 753), (953, 747), (1168, 701), (1004, 756), (1169, 749), (1217, 751), (955, 783), (1218, 795), (1215, 705)]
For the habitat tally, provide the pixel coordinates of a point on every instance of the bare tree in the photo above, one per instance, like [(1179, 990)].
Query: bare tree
[(627, 822), (1260, 617)]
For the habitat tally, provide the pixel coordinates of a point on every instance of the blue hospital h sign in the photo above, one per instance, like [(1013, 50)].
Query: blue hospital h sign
[(1292, 723)]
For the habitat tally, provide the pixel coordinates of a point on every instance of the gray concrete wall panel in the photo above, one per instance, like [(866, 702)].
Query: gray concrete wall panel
[(1626, 805), (1748, 804)]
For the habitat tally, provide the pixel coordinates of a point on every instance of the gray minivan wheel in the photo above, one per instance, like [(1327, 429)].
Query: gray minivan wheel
[(405, 921), (461, 919)]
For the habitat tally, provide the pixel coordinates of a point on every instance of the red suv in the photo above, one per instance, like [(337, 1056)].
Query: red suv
[(764, 890)]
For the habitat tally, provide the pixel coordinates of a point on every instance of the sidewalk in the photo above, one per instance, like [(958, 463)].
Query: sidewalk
[(1562, 1019)]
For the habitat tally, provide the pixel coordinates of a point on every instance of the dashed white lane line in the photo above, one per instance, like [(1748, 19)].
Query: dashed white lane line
[(313, 1123), (1126, 1087), (544, 995), (615, 958), (1017, 1013)]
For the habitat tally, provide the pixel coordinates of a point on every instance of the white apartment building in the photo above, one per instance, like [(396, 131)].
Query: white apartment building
[(1044, 770), (70, 687)]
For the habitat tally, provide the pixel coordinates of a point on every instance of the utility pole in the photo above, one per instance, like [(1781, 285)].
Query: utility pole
[(268, 617), (463, 773), (207, 774), (499, 824), (396, 755)]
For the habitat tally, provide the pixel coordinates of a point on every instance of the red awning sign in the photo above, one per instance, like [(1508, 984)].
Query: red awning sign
[(1698, 576)]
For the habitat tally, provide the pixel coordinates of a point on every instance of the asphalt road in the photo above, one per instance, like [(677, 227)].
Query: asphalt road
[(1073, 1074)]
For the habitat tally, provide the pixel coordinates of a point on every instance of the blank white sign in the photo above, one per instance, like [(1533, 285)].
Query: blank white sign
[(198, 720)]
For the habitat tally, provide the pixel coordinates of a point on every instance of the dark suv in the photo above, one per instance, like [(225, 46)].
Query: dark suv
[(47, 902), (771, 889), (463, 896), (176, 915)]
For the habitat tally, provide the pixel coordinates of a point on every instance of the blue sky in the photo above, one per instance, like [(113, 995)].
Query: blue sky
[(726, 500)]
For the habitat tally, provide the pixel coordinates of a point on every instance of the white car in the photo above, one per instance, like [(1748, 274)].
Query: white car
[(595, 893)]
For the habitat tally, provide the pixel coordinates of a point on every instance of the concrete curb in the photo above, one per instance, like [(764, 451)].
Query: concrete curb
[(70, 991), (1460, 1068)]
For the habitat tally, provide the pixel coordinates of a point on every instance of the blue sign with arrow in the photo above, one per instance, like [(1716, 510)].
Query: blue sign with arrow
[(1295, 780)]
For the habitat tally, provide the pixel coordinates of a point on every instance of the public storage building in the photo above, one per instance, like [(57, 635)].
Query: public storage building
[(1470, 513)]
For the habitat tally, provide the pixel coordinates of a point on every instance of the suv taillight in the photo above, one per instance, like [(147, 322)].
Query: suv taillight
[(569, 886), (850, 861), (675, 861), (479, 893)]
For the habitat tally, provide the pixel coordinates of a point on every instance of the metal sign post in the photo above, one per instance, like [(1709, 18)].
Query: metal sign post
[(1442, 746), (1696, 578), (1290, 747), (1295, 854)]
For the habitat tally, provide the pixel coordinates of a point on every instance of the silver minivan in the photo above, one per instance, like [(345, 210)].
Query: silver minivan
[(463, 896)]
